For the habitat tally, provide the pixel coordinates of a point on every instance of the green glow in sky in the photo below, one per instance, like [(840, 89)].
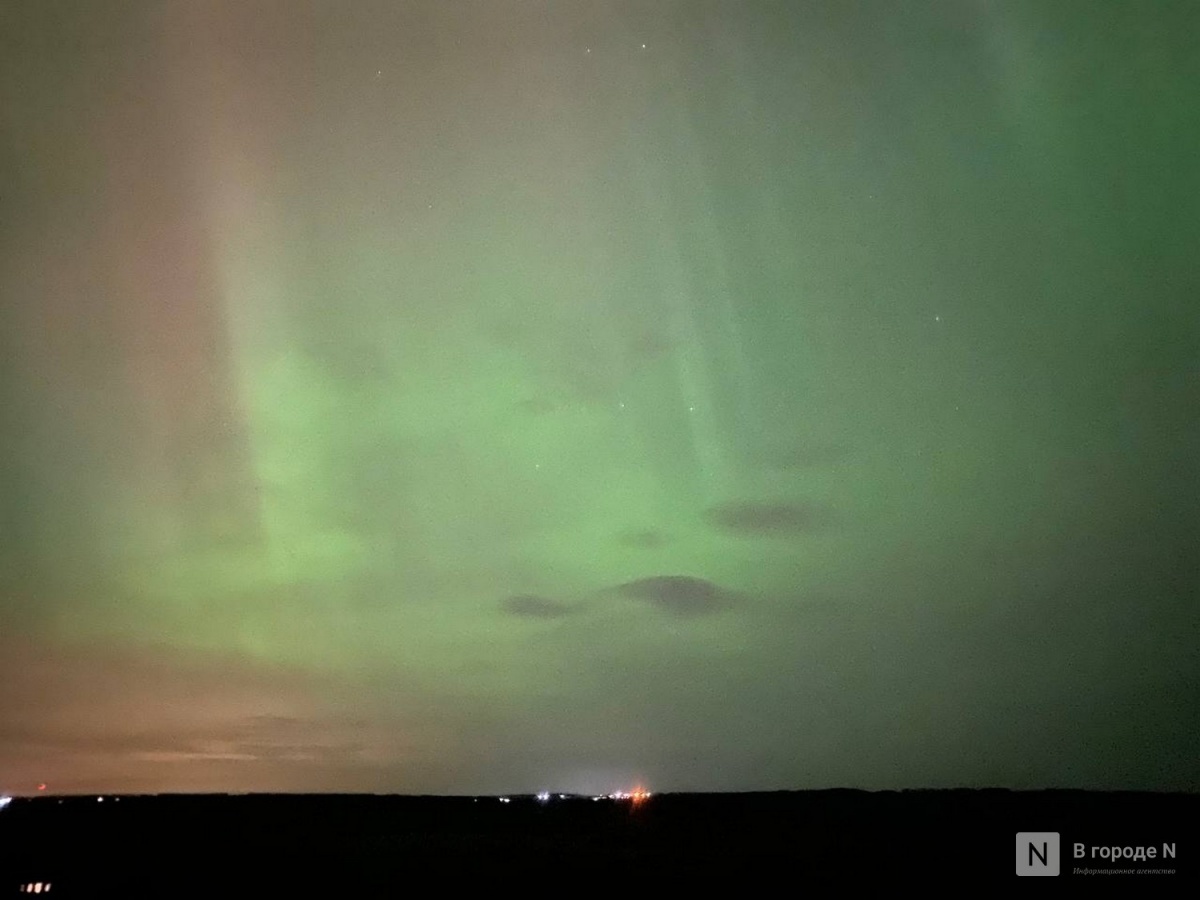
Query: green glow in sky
[(439, 397)]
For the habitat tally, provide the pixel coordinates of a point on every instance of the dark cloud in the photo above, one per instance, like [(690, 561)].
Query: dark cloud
[(768, 519), (679, 595), (532, 606)]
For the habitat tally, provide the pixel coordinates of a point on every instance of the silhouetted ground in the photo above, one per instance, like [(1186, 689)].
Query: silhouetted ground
[(329, 845)]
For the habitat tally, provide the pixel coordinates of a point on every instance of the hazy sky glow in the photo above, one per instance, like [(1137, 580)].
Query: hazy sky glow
[(497, 396)]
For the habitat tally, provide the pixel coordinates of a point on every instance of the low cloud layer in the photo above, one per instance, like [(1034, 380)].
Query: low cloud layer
[(531, 606), (679, 595), (82, 719)]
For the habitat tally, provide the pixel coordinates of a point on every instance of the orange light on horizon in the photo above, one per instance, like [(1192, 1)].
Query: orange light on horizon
[(636, 797)]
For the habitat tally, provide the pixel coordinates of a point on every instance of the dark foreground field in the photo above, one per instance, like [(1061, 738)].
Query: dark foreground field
[(359, 845)]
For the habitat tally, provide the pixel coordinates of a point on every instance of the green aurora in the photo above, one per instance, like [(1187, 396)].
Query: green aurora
[(465, 396)]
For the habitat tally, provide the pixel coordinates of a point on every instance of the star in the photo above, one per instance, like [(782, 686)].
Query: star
[(937, 318)]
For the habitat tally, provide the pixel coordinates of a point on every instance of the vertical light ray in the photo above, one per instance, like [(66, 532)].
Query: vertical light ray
[(673, 188), (686, 339), (1025, 81), (724, 335), (230, 161), (185, 479)]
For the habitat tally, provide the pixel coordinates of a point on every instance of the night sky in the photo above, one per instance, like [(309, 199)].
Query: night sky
[(493, 396)]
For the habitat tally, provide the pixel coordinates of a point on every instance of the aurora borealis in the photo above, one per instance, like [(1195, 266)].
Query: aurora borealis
[(498, 396)]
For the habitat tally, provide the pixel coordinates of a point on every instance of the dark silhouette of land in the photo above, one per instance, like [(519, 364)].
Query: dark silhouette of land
[(333, 845)]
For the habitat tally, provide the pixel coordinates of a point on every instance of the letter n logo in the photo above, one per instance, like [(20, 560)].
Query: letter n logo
[(1037, 853)]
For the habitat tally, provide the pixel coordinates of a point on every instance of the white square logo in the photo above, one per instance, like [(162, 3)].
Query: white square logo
[(1037, 852)]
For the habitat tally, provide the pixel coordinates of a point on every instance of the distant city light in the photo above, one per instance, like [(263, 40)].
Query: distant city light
[(544, 797), (4, 801), (504, 800), (636, 796)]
